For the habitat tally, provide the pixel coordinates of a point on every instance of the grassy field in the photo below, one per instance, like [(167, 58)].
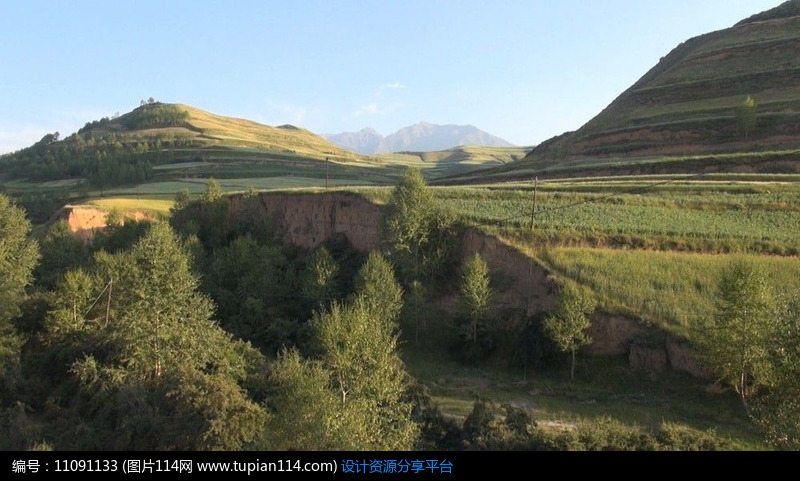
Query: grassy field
[(670, 289), (155, 206), (654, 252)]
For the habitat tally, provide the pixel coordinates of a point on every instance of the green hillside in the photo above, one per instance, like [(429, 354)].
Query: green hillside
[(205, 129), (690, 102), (131, 149), (694, 105)]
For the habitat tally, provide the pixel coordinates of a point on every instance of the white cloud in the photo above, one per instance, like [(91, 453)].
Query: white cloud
[(388, 86), (393, 86)]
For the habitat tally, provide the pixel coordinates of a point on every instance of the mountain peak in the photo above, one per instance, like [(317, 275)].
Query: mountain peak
[(420, 137)]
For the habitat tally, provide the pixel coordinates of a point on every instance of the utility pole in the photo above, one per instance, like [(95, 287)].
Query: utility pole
[(533, 208), (529, 300), (327, 166)]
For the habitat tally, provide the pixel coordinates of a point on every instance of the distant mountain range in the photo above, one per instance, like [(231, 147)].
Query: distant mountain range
[(422, 137)]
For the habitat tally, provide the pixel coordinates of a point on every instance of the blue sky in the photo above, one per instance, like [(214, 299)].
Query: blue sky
[(523, 70)]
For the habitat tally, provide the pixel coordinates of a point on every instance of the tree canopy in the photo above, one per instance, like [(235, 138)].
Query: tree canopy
[(156, 369), (18, 257), (379, 290), (352, 395)]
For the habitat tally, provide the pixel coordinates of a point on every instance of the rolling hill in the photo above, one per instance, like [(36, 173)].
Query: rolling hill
[(204, 129)]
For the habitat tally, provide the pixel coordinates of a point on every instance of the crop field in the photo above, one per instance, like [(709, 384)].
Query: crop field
[(701, 166), (721, 216)]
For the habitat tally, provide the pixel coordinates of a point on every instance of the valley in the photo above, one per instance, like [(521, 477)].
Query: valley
[(180, 252)]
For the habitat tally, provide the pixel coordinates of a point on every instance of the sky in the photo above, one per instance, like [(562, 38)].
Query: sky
[(522, 70)]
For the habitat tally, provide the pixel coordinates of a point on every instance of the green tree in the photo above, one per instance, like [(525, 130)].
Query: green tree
[(305, 408), (777, 412), (182, 199), (379, 290), (154, 368), (746, 113), (213, 191), (569, 322), (476, 294), (61, 251), (368, 376), (418, 234), (320, 280), (18, 257), (736, 341), (353, 396), (251, 191), (115, 218), (415, 307), (245, 278)]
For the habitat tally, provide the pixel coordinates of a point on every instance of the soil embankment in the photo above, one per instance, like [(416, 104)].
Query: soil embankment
[(521, 284)]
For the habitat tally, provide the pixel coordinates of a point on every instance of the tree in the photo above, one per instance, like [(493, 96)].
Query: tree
[(352, 396), (418, 234), (415, 306), (153, 368), (319, 283), (182, 199), (476, 294), (18, 257), (376, 285), (115, 217), (777, 412), (368, 376), (61, 251), (213, 191), (736, 341), (746, 113), (305, 407), (569, 322), (407, 220), (251, 191)]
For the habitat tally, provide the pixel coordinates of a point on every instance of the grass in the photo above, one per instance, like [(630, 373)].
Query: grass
[(670, 289), (155, 206)]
